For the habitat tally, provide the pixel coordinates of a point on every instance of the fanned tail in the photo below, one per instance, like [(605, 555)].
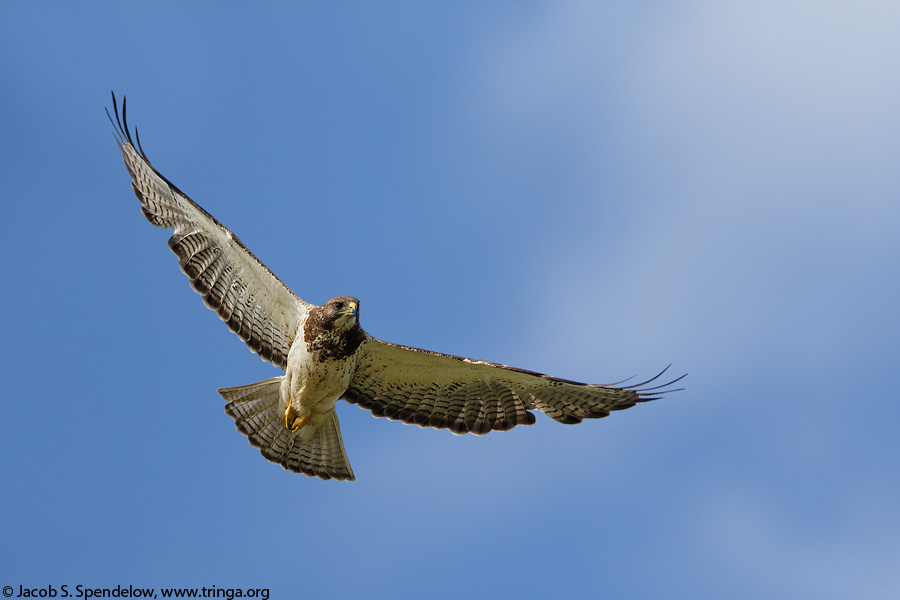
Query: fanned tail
[(258, 413)]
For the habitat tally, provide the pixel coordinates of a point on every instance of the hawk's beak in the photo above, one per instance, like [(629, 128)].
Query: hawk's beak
[(352, 309)]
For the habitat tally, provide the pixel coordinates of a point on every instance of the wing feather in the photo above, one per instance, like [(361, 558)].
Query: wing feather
[(430, 389), (253, 302)]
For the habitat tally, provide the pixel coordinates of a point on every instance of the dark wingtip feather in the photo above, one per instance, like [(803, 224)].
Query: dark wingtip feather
[(139, 147), (651, 380), (117, 124), (120, 126), (635, 386), (113, 123), (657, 391)]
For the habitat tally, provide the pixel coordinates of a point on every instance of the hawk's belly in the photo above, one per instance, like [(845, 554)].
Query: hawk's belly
[(312, 383)]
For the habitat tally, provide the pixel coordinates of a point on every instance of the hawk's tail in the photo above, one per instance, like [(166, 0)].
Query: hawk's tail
[(258, 413)]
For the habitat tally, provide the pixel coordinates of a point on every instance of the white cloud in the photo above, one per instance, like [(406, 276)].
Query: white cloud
[(750, 147)]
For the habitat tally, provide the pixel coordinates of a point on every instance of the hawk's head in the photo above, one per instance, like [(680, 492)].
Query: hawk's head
[(340, 313), (333, 329)]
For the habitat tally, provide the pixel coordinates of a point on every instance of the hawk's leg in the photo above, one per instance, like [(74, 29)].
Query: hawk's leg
[(293, 420)]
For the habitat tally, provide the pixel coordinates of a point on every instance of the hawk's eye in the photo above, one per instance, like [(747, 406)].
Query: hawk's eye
[(339, 305)]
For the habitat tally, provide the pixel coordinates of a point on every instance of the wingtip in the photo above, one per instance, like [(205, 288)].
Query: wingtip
[(647, 394), (121, 131)]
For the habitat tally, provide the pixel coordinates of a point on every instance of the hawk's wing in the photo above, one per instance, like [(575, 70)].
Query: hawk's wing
[(465, 395), (252, 301)]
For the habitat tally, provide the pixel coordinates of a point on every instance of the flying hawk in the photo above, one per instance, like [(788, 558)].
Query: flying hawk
[(326, 356)]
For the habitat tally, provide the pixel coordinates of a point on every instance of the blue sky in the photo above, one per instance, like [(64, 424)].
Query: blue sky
[(588, 189)]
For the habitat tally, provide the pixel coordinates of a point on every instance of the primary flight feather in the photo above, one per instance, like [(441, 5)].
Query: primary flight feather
[(326, 355)]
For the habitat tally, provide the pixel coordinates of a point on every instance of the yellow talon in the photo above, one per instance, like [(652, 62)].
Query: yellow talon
[(292, 420)]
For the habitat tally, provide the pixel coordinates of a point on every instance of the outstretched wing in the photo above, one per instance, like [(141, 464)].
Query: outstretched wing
[(252, 301), (476, 396)]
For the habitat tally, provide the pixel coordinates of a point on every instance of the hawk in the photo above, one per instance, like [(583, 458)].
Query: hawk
[(326, 356)]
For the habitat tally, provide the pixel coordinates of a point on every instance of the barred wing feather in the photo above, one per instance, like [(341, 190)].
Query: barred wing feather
[(253, 302), (463, 395)]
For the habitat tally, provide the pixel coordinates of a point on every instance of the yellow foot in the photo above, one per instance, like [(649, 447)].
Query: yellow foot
[(293, 420)]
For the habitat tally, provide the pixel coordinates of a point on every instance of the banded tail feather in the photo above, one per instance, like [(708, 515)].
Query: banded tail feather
[(258, 413)]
